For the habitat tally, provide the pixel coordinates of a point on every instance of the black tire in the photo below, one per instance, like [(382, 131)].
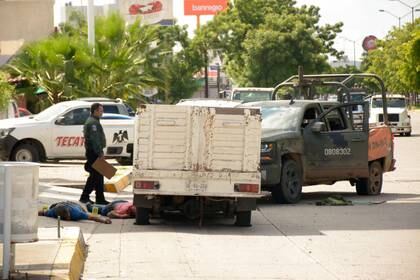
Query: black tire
[(142, 216), (408, 133), (25, 152), (373, 184), (243, 219), (290, 188)]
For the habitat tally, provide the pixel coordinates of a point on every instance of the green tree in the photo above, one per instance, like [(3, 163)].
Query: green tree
[(6, 90), (181, 62), (49, 64), (262, 42), (397, 59), (344, 70), (126, 60)]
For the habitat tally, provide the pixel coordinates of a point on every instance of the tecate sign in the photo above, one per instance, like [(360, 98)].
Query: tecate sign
[(204, 7)]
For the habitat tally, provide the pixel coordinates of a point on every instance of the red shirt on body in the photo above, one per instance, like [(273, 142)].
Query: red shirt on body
[(124, 208)]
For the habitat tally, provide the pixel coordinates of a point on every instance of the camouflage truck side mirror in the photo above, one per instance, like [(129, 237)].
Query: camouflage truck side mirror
[(318, 127)]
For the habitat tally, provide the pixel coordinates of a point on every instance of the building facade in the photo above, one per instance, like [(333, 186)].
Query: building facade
[(23, 21)]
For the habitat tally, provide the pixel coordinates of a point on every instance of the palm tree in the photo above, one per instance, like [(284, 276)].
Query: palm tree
[(6, 90), (126, 60), (48, 64)]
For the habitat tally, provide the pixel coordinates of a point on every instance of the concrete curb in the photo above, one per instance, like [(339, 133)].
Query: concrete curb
[(52, 257), (120, 181), (72, 253)]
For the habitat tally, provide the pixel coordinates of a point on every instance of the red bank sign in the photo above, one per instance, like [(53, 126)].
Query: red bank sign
[(203, 7)]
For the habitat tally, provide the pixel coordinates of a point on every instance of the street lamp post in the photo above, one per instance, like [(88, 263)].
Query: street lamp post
[(389, 13), (91, 24), (354, 49), (397, 17), (408, 6)]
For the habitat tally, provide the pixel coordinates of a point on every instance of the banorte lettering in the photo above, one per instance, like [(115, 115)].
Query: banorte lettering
[(70, 141), (213, 8)]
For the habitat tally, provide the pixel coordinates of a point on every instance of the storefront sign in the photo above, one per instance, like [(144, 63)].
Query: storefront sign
[(204, 7)]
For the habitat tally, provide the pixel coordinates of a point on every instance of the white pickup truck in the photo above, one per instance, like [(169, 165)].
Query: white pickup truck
[(57, 133), (197, 160), (398, 117), (251, 94)]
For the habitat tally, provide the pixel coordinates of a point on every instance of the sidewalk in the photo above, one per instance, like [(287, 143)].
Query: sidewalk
[(51, 257), (72, 174), (63, 258)]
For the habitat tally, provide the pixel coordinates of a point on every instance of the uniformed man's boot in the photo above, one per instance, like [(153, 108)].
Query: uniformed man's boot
[(102, 201), (84, 199)]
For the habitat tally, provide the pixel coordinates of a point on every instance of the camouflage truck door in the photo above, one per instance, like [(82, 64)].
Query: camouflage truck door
[(335, 151)]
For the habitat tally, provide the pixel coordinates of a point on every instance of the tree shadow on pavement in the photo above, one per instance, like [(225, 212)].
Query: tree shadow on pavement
[(315, 196), (400, 211), (293, 220)]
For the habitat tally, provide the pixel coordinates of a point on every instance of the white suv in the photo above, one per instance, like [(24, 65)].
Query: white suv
[(57, 133), (112, 106)]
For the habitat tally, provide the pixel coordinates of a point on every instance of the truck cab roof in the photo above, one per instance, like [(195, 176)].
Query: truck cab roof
[(295, 103), (251, 94), (209, 102), (390, 96)]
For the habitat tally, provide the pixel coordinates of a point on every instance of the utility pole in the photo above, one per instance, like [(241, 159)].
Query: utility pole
[(91, 24), (218, 77), (206, 62), (206, 75)]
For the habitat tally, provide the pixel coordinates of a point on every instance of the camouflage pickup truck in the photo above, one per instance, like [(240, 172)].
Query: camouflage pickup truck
[(309, 142)]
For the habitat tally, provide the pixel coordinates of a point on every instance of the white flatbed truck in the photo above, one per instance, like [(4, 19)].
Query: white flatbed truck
[(197, 160)]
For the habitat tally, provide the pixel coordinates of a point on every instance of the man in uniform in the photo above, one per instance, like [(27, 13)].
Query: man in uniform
[(94, 144)]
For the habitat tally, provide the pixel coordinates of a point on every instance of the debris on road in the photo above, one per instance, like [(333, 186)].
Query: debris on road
[(335, 200)]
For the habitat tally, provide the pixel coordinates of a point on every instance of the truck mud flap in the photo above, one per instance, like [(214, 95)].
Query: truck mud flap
[(246, 204), (143, 201)]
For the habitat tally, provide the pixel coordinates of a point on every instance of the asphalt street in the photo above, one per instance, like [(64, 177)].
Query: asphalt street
[(377, 238)]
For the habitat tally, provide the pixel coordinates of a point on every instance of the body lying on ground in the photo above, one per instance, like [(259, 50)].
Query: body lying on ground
[(120, 209), (71, 211)]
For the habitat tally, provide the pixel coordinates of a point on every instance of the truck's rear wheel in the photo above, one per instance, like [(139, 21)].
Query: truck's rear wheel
[(142, 216), (25, 152), (243, 219), (290, 188), (373, 184)]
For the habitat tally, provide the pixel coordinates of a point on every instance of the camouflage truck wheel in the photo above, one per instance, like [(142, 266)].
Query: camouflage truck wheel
[(373, 184), (290, 188)]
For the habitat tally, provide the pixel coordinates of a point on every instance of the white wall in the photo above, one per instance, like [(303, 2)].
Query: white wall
[(22, 21)]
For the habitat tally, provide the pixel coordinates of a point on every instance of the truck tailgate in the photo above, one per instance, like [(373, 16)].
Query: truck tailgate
[(197, 150)]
